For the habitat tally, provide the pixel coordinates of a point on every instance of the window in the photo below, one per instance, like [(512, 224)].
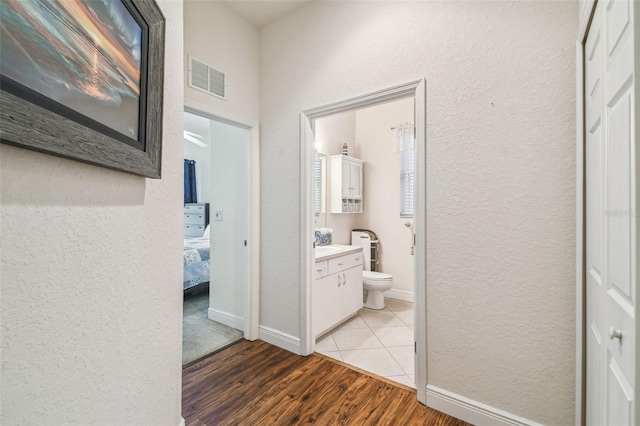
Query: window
[(317, 186), (406, 183)]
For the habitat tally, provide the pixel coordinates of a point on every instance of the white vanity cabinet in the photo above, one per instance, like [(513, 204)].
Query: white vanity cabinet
[(346, 184), (336, 291)]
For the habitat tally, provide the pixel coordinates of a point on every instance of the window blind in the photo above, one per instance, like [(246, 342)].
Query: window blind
[(406, 183), (317, 187)]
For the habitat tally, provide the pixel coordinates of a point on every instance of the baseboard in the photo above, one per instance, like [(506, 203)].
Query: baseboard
[(470, 411), (405, 296), (182, 422), (280, 339), (226, 318)]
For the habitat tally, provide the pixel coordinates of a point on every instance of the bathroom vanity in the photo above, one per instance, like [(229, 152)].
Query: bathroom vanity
[(337, 286)]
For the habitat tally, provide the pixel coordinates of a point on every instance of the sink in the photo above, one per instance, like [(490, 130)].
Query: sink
[(323, 250)]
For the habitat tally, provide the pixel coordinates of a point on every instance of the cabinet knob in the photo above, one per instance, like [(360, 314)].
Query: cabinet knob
[(615, 333), (344, 278), (339, 281)]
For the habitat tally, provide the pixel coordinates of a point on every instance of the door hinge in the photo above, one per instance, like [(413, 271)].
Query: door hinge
[(245, 243), (415, 347)]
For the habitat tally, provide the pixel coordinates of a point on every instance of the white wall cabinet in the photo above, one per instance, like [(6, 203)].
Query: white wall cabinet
[(336, 291), (346, 184)]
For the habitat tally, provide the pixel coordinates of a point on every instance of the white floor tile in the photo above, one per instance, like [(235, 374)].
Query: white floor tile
[(361, 338), (404, 355), (398, 305), (378, 361), (405, 316), (404, 379), (381, 318), (326, 344), (355, 322), (334, 355), (379, 341), (394, 336)]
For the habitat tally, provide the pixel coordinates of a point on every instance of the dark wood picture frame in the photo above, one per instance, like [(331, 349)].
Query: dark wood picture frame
[(29, 122)]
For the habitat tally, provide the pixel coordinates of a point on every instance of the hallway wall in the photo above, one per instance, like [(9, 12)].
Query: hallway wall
[(500, 178), (91, 306)]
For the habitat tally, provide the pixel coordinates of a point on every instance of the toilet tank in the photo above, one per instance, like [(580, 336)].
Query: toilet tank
[(369, 242)]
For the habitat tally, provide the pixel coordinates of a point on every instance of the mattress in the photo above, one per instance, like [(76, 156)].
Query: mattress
[(196, 261)]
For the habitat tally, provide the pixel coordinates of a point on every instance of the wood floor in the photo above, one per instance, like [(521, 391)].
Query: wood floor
[(255, 383)]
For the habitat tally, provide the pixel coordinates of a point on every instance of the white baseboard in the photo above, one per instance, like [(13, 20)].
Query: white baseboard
[(280, 339), (226, 318), (182, 423), (471, 411), (406, 296)]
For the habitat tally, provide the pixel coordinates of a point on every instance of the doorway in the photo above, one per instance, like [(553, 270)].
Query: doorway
[(417, 91), (221, 308), (375, 176)]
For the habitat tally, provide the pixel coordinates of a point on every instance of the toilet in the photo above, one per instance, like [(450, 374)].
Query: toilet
[(374, 283)]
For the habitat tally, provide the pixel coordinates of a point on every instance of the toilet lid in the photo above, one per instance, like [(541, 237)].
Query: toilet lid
[(376, 276)]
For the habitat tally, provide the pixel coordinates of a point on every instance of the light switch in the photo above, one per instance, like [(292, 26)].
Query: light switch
[(218, 215)]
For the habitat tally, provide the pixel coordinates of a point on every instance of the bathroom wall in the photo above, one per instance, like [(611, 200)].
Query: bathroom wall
[(381, 213), (91, 268), (500, 178), (331, 132), (369, 138)]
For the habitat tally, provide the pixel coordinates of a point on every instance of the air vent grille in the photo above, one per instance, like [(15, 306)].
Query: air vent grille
[(207, 79)]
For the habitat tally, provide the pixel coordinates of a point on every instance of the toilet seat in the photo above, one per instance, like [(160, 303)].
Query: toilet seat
[(376, 276)]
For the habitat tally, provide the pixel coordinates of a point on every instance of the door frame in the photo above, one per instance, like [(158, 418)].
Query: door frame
[(417, 90), (252, 287), (580, 372)]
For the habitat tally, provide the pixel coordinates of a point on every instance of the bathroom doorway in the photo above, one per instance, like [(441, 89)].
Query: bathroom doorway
[(221, 307), (397, 331)]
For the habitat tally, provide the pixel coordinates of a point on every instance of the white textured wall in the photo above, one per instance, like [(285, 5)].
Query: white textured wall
[(91, 303), (381, 211), (216, 35), (500, 169), (333, 131), (229, 183)]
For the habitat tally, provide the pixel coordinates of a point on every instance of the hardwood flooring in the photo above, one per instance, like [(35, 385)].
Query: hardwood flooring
[(255, 383)]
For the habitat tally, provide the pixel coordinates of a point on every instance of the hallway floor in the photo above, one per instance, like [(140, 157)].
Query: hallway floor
[(379, 341)]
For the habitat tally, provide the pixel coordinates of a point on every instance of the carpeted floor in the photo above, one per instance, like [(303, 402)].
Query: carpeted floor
[(200, 335)]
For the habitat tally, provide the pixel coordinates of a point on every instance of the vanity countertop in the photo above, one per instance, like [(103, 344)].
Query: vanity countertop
[(334, 250)]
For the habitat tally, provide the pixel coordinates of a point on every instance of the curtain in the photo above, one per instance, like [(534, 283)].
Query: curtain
[(190, 192), (404, 137)]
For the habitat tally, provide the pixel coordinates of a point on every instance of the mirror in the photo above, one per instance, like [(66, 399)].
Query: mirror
[(320, 190)]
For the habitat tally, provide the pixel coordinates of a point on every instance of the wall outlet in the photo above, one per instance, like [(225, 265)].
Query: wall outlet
[(218, 215)]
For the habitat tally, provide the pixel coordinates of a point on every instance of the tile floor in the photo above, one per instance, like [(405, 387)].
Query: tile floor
[(379, 341)]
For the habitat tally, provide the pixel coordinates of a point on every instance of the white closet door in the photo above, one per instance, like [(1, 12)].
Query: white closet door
[(594, 154), (611, 215)]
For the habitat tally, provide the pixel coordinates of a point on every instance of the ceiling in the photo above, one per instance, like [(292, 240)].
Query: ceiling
[(261, 12)]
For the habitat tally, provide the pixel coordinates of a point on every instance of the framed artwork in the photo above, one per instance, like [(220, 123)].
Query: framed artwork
[(83, 79)]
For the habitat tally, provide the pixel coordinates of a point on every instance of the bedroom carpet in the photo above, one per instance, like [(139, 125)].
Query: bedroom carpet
[(200, 335)]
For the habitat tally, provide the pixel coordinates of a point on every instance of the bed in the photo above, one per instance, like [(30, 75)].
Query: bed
[(196, 263)]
